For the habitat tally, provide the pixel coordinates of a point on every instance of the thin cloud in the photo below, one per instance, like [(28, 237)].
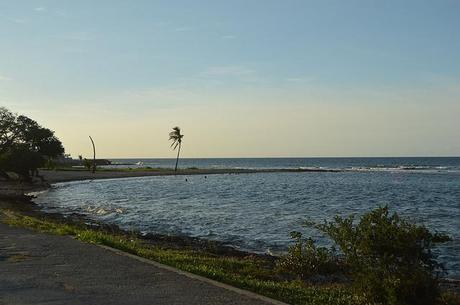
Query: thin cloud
[(40, 9), (228, 71), (300, 79), (18, 20), (218, 75), (75, 50), (229, 37), (79, 36), (5, 78), (184, 29), (61, 13)]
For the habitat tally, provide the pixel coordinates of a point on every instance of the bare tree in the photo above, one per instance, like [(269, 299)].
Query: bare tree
[(94, 155)]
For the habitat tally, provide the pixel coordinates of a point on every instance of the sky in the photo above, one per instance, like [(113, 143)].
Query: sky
[(241, 78)]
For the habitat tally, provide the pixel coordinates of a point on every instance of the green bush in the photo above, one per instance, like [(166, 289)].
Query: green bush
[(21, 160), (390, 259), (304, 259), (88, 164)]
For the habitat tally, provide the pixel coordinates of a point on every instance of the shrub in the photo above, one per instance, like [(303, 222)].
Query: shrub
[(21, 160), (87, 164), (304, 259), (390, 258)]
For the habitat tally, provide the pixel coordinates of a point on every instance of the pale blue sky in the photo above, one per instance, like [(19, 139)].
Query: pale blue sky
[(382, 77)]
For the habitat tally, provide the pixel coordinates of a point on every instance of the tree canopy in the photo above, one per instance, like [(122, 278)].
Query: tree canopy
[(24, 144)]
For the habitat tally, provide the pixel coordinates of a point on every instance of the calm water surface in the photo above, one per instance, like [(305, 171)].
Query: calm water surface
[(256, 212)]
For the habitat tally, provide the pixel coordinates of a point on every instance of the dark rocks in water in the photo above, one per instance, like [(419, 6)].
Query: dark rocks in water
[(194, 243), (448, 284)]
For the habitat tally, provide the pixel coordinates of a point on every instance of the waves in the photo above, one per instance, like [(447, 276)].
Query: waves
[(256, 212), (383, 168), (408, 165), (406, 168)]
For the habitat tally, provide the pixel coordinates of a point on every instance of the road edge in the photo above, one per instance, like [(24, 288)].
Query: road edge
[(240, 291)]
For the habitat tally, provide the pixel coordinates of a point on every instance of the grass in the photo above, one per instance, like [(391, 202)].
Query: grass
[(251, 273)]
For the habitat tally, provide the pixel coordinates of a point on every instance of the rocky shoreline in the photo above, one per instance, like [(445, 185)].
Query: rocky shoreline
[(27, 207), (18, 196)]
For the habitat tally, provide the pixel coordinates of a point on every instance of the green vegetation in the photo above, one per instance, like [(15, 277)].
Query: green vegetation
[(25, 146), (252, 273), (389, 259), (305, 260), (87, 164), (176, 137)]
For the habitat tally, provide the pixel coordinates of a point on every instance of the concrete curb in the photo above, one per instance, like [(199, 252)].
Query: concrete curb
[(196, 277)]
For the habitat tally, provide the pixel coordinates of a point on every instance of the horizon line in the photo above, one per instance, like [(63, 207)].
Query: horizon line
[(321, 157)]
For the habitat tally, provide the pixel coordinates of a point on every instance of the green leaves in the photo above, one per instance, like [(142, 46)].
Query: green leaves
[(24, 144), (390, 259), (304, 259)]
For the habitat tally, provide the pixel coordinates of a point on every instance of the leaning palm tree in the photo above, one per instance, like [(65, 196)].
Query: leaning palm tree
[(176, 137)]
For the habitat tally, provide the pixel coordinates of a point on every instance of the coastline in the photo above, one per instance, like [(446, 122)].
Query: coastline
[(55, 176), (22, 203), (19, 198), (27, 207), (17, 190)]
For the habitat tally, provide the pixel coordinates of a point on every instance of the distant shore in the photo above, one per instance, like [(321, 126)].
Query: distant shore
[(14, 189), (17, 190), (55, 176)]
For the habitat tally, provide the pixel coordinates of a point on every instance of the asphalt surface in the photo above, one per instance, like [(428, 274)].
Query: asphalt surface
[(38, 268)]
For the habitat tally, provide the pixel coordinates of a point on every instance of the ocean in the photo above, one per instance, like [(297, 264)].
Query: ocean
[(256, 212)]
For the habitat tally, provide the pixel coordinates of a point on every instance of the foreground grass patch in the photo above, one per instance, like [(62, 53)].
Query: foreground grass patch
[(249, 273)]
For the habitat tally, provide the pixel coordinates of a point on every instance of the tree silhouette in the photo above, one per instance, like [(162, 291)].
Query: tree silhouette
[(176, 137), (94, 155), (25, 146)]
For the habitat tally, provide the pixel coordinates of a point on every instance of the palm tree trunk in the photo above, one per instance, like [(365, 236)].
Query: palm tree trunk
[(177, 159)]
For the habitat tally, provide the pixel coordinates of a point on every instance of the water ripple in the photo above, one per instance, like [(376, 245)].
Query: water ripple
[(256, 212)]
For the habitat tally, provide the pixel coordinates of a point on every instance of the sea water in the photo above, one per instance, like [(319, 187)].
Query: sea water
[(256, 212)]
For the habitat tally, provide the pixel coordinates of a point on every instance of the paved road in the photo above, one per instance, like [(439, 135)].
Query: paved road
[(39, 269)]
